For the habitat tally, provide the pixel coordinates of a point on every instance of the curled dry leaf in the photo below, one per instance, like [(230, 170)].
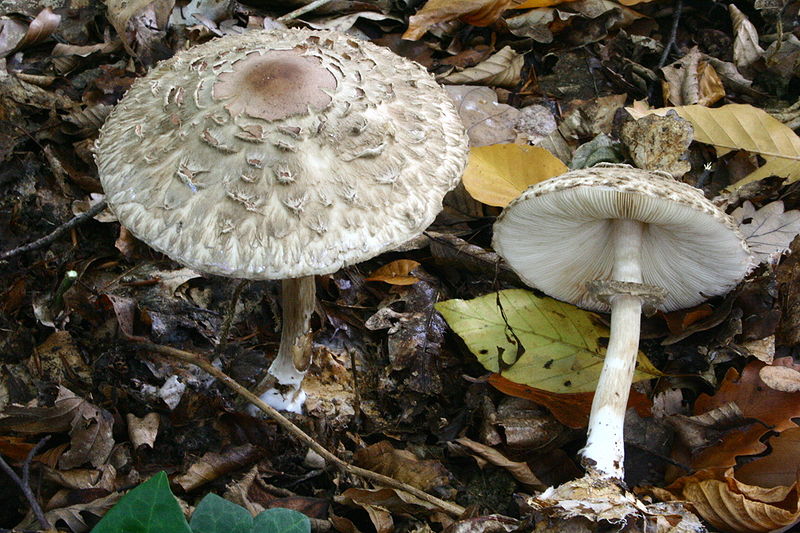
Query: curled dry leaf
[(499, 173), (14, 36), (743, 127), (692, 80), (396, 273), (780, 378), (520, 470), (731, 505), (778, 468), (213, 465), (746, 49), (143, 431), (501, 69), (659, 143), (475, 12), (380, 503)]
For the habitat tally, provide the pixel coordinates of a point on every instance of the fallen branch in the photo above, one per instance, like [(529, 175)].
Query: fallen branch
[(194, 359), (56, 233), (24, 482)]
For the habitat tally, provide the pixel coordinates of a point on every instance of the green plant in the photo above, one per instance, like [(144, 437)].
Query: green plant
[(152, 508)]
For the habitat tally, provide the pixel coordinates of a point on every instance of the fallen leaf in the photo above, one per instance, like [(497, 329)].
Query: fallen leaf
[(746, 49), (402, 465), (499, 173), (692, 80), (743, 127), (780, 378), (774, 409), (779, 467), (536, 341), (769, 232), (501, 69), (475, 12), (659, 143), (213, 465), (396, 273), (730, 505), (571, 409), (520, 470), (14, 37), (143, 431)]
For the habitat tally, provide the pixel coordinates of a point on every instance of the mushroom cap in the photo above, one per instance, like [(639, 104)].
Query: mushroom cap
[(280, 154), (557, 236)]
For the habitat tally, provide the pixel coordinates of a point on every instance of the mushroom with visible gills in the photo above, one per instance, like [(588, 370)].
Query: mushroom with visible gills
[(617, 239), (281, 155)]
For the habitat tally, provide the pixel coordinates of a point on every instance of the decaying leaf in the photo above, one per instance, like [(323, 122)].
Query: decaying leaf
[(535, 341), (396, 273), (659, 143), (780, 378), (497, 174), (381, 503), (403, 465), (520, 470), (774, 409), (571, 409), (769, 231), (746, 49), (501, 69), (692, 80), (212, 465), (743, 127), (731, 505), (143, 431), (486, 120), (475, 12), (91, 438), (780, 467), (14, 35)]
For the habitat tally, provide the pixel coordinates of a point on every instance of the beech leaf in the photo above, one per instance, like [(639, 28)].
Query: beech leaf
[(396, 273), (535, 341), (501, 69), (497, 174), (475, 12), (743, 127)]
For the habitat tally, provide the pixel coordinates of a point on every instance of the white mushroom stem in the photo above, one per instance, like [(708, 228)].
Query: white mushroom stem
[(605, 445), (294, 353)]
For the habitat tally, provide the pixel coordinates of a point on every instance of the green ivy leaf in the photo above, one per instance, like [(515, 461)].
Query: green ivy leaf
[(539, 342), (149, 508), (280, 520), (217, 515)]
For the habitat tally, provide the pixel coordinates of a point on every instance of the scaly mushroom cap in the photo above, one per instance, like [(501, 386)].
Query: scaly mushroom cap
[(273, 155), (557, 236)]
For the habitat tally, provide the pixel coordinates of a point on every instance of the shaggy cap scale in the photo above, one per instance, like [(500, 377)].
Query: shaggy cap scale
[(557, 236), (273, 155)]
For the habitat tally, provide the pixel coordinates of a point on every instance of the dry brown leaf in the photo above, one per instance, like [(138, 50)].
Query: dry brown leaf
[(743, 127), (520, 470), (692, 80), (381, 503), (778, 468), (573, 409), (475, 12), (213, 465), (659, 143), (402, 465), (730, 505), (761, 349), (143, 431), (780, 378), (59, 360), (769, 232), (14, 36), (501, 69), (83, 478), (746, 49), (72, 515), (775, 410), (499, 173), (396, 273)]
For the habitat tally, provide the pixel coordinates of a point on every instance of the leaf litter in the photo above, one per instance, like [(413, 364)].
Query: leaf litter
[(540, 85)]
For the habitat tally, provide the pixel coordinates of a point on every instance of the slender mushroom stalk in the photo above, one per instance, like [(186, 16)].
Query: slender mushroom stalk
[(617, 239), (281, 155), (605, 446)]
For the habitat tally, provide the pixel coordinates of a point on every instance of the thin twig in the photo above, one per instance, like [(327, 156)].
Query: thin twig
[(56, 233), (226, 324), (673, 33), (303, 10), (24, 482), (194, 359)]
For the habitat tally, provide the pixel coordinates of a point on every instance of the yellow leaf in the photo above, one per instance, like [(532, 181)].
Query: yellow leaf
[(396, 273), (541, 342), (498, 173), (743, 127)]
